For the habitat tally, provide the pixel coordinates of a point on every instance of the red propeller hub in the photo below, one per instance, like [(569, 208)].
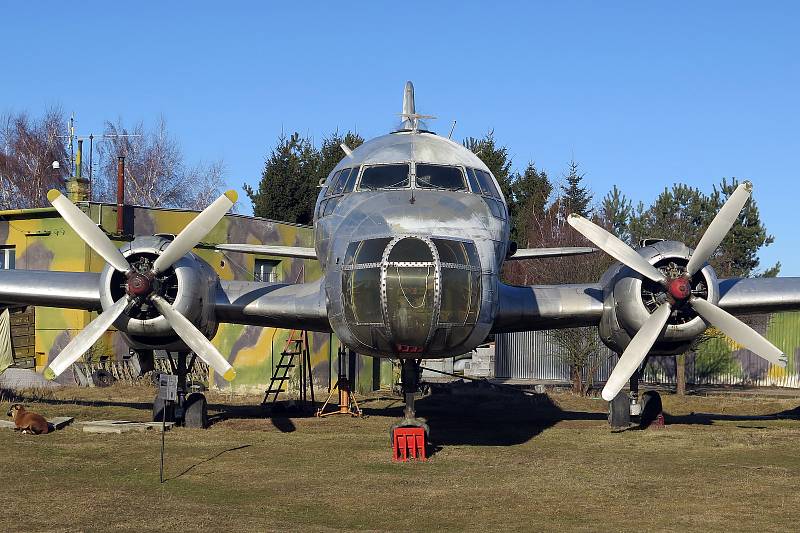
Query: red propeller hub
[(680, 288), (138, 285)]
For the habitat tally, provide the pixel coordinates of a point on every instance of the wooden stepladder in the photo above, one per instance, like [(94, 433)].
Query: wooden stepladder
[(296, 347)]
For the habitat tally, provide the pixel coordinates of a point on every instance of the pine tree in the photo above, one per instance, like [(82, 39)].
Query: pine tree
[(530, 193), (576, 199), (616, 214), (288, 187)]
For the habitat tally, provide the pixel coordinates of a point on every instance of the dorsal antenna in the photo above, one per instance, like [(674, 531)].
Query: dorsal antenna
[(409, 116)]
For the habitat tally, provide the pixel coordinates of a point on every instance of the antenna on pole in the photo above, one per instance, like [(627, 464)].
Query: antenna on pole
[(409, 116), (452, 129)]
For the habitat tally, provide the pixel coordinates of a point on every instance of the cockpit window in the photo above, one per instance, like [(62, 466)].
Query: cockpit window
[(351, 181), (338, 186), (440, 177), (384, 177), (333, 182), (486, 183), (473, 183)]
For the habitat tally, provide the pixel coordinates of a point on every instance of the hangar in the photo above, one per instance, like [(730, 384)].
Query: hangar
[(40, 239)]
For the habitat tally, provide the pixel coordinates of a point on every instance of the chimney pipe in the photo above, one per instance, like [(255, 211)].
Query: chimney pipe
[(120, 194)]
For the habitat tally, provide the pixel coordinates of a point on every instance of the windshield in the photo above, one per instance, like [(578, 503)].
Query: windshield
[(440, 177), (384, 177), (486, 183)]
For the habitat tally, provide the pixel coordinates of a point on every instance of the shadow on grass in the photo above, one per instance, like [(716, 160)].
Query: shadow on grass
[(708, 419), (478, 414), (208, 460)]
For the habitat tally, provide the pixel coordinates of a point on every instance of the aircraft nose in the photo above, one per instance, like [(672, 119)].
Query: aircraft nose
[(411, 294)]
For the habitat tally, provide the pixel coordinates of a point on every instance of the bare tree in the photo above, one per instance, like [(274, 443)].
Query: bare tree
[(547, 227), (155, 172), (28, 148)]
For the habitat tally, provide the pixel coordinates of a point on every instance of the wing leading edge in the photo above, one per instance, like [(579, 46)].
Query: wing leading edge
[(266, 249), (540, 253)]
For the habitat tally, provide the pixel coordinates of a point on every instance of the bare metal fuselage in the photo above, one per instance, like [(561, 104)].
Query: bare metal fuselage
[(411, 272)]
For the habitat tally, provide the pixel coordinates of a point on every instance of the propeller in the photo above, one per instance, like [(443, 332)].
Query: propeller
[(139, 286), (679, 292)]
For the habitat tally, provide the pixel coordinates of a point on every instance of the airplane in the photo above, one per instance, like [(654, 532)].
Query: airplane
[(411, 232)]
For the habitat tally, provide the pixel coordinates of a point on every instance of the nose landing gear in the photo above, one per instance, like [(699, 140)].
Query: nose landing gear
[(410, 375)]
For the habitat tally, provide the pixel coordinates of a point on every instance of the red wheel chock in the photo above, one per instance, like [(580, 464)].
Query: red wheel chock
[(408, 443)]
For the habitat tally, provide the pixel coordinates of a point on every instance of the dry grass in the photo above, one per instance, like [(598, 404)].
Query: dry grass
[(503, 462)]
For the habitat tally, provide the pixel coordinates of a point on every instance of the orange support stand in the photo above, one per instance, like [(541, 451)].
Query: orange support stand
[(348, 405)]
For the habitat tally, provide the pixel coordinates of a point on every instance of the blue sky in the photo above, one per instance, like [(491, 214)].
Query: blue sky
[(641, 95)]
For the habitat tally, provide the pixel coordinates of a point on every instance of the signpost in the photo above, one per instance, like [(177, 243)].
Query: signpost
[(167, 392)]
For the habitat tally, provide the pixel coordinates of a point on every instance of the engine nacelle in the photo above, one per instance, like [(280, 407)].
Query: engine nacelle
[(629, 299), (189, 286)]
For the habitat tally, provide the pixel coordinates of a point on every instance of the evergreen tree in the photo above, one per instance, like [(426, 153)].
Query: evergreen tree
[(288, 187), (576, 199), (530, 193), (616, 212), (737, 255), (683, 213)]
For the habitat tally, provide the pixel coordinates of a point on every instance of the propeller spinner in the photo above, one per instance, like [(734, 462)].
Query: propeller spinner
[(679, 292), (141, 286)]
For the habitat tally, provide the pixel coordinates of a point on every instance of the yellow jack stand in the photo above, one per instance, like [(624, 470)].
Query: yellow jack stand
[(347, 400)]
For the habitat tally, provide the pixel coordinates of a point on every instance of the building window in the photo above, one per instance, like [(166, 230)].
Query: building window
[(267, 270), (7, 257)]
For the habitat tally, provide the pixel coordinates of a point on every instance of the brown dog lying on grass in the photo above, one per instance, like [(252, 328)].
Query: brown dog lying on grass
[(28, 422)]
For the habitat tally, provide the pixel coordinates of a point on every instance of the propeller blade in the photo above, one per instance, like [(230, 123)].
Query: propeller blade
[(615, 248), (719, 227), (85, 339), (88, 231), (195, 231), (636, 351), (194, 339), (738, 331)]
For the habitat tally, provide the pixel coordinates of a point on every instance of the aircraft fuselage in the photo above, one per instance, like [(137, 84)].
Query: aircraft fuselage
[(411, 263)]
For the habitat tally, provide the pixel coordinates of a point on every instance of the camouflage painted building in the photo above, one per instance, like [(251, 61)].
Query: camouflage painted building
[(39, 239)]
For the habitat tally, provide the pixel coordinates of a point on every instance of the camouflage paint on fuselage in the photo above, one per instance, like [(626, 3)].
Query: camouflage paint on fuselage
[(42, 241)]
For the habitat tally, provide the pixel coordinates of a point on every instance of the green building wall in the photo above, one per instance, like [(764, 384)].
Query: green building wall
[(43, 241)]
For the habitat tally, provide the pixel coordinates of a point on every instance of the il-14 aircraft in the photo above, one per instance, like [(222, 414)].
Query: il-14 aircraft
[(411, 231)]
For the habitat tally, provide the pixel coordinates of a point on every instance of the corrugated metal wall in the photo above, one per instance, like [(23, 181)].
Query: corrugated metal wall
[(534, 355)]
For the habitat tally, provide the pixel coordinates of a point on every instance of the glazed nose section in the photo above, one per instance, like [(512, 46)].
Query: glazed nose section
[(411, 295), (389, 288), (410, 290)]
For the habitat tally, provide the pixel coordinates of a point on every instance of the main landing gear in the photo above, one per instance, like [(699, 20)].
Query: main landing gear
[(410, 376), (628, 405), (191, 410)]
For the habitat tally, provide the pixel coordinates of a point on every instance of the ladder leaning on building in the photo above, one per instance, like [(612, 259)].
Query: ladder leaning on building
[(296, 346)]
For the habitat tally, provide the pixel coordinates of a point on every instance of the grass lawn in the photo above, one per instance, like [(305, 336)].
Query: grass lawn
[(502, 462)]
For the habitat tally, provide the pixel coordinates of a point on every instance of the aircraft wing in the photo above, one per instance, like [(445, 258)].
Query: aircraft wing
[(70, 290), (548, 307), (536, 253), (279, 305), (266, 249), (540, 307)]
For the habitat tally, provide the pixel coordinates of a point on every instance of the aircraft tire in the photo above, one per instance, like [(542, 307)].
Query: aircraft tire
[(651, 408), (158, 410), (195, 411), (619, 411)]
